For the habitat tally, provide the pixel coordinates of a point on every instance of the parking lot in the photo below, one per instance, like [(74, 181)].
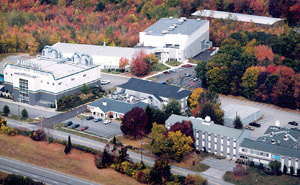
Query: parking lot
[(179, 77), (270, 114), (98, 128)]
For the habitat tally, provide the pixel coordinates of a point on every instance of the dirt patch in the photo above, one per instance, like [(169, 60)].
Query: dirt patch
[(133, 142), (52, 156)]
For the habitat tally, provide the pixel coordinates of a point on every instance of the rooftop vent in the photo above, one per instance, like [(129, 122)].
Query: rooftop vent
[(285, 137), (271, 134), (171, 17), (164, 31), (273, 141), (198, 19), (182, 18), (104, 103), (264, 139)]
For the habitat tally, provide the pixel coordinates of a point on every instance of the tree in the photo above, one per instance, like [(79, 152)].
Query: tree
[(284, 169), (249, 82), (123, 62), (6, 110), (84, 89), (237, 123), (161, 172), (275, 166), (24, 114), (100, 6), (186, 128), (103, 159), (199, 180), (123, 154), (292, 171), (134, 122), (173, 107), (263, 52), (201, 71), (150, 118), (210, 110), (159, 142), (193, 99), (239, 170), (160, 117), (2, 122), (298, 172), (138, 65), (68, 146), (181, 145), (151, 61)]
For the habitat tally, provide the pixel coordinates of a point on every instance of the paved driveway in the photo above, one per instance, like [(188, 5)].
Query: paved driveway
[(98, 128), (270, 115), (218, 167)]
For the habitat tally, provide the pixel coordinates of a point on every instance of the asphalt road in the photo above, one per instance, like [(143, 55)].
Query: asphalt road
[(39, 174), (132, 155), (114, 80)]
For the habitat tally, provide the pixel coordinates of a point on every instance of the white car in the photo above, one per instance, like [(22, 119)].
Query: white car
[(104, 82), (107, 121)]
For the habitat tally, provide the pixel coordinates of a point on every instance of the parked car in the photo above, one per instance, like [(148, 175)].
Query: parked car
[(69, 123), (107, 121), (163, 82), (172, 70), (185, 65), (189, 65), (293, 123), (75, 126), (166, 72), (89, 118), (187, 75), (97, 119), (254, 124), (249, 128), (195, 79), (84, 128), (104, 82)]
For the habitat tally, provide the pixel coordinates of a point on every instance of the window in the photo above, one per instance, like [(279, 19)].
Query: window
[(6, 73), (222, 141), (52, 83), (41, 81), (72, 79), (10, 74), (59, 83), (84, 75), (47, 82)]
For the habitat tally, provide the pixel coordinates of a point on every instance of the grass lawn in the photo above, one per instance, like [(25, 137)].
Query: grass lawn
[(60, 127), (135, 143), (174, 63), (52, 156), (18, 118), (160, 67), (256, 176), (152, 78), (187, 162)]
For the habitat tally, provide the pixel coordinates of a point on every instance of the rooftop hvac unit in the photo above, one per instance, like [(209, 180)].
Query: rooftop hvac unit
[(198, 19), (164, 31), (285, 137), (273, 141)]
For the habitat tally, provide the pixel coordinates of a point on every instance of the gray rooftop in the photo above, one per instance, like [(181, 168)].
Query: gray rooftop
[(243, 111), (282, 136), (116, 106), (59, 70), (187, 27), (272, 148), (212, 128), (156, 89), (98, 50), (237, 16)]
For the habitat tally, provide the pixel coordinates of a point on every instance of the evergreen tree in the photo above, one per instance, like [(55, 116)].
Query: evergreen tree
[(24, 114), (150, 115), (237, 123), (6, 110), (68, 146)]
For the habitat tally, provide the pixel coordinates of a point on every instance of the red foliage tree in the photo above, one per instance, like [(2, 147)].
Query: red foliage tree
[(123, 62), (239, 170), (138, 65), (185, 127), (134, 122)]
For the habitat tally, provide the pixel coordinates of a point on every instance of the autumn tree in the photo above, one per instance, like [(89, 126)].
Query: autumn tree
[(193, 99), (151, 61), (249, 82), (263, 52), (123, 62), (138, 65), (181, 145), (185, 127), (239, 170), (159, 143), (161, 172), (134, 122)]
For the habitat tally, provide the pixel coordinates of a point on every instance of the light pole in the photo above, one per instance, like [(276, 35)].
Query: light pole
[(142, 150), (79, 118)]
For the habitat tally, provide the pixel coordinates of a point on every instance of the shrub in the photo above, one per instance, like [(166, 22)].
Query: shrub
[(8, 130), (38, 135), (18, 179), (251, 163), (6, 110), (260, 166), (239, 170), (24, 114), (130, 146), (200, 180)]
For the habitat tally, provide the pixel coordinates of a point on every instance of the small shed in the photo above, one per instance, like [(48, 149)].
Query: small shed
[(246, 113)]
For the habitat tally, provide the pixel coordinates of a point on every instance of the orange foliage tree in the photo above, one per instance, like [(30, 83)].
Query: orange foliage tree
[(263, 52), (123, 62)]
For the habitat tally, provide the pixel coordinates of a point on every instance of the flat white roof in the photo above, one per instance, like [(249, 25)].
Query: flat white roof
[(237, 16), (98, 50), (231, 110), (59, 70)]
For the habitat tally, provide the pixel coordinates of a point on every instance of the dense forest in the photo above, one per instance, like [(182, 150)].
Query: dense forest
[(259, 66), (29, 25)]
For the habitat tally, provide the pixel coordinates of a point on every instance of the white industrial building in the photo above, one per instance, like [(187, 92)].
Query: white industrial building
[(176, 38), (43, 80), (247, 114)]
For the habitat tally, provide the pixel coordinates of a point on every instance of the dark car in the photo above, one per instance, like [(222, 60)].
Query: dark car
[(97, 119), (84, 128), (69, 123), (254, 124), (89, 118), (293, 123), (163, 82), (75, 126), (166, 72)]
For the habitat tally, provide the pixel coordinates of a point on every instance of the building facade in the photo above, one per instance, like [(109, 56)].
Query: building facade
[(43, 80), (213, 138), (155, 94), (109, 108), (176, 38)]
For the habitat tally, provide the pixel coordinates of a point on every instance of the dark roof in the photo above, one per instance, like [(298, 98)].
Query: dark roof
[(278, 134), (187, 27), (156, 89), (116, 106), (272, 148)]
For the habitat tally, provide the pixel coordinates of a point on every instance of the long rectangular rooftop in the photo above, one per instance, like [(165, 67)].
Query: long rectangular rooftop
[(237, 16), (175, 26), (98, 50)]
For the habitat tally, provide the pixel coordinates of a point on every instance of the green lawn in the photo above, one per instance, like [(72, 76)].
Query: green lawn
[(173, 63), (152, 78), (160, 67), (256, 176)]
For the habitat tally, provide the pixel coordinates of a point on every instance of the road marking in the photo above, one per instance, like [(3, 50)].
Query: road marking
[(16, 170)]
